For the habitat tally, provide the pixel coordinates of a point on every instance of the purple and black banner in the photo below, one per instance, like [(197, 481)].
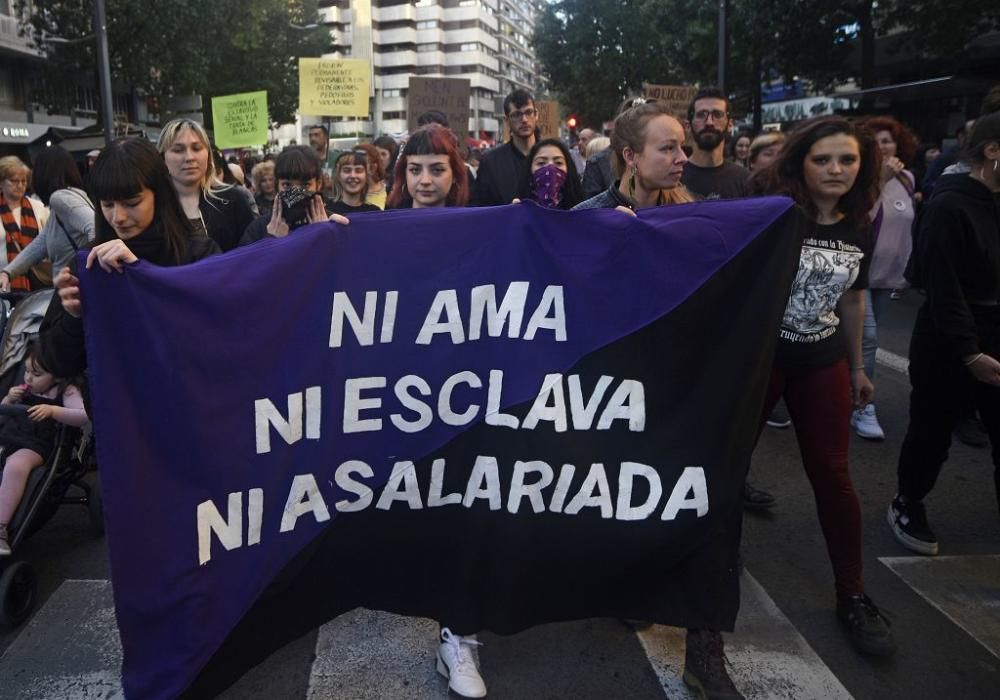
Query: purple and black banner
[(494, 418)]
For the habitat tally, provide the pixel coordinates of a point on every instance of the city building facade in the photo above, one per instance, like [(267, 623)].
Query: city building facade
[(484, 41)]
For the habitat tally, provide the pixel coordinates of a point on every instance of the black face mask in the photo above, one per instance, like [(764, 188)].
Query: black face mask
[(295, 206)]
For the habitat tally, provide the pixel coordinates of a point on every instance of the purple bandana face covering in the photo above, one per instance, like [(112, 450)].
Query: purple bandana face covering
[(547, 183)]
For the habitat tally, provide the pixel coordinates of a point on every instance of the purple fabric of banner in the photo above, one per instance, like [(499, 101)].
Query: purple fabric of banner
[(178, 357)]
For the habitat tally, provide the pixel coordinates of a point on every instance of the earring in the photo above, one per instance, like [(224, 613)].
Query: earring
[(631, 181)]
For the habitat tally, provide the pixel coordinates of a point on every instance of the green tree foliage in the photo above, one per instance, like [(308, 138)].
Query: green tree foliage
[(594, 53), (181, 47)]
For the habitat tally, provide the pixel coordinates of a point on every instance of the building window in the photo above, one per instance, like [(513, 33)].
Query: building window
[(392, 93), (427, 24), (424, 48), (474, 46)]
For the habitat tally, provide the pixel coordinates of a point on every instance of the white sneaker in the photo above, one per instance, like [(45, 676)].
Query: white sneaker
[(865, 423), (456, 661)]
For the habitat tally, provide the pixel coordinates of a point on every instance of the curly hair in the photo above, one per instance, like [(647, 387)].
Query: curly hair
[(786, 175), (906, 142)]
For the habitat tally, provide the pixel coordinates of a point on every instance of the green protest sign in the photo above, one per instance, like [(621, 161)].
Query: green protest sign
[(240, 120)]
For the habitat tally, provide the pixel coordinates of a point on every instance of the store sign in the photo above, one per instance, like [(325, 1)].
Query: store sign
[(16, 132)]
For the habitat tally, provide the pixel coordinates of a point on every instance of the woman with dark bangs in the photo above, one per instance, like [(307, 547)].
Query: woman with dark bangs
[(551, 178), (140, 217), (430, 171), (830, 167)]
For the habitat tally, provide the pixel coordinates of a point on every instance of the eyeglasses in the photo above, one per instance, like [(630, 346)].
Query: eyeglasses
[(716, 114), (518, 115), (17, 181)]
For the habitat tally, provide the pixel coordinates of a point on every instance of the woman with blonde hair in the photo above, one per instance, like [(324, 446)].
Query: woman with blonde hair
[(214, 208), (22, 217), (596, 145), (764, 149), (265, 186), (647, 159), (377, 192)]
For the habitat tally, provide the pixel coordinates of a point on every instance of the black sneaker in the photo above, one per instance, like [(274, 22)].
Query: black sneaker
[(777, 419), (755, 499), (869, 629), (705, 667), (908, 521), (972, 432)]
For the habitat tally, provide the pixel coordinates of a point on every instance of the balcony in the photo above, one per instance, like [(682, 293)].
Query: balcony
[(11, 42), (430, 12), (430, 58), (402, 35), (334, 15), (395, 13), (392, 59), (471, 58)]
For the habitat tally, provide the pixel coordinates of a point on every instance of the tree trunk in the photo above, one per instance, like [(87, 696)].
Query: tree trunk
[(758, 93), (867, 36)]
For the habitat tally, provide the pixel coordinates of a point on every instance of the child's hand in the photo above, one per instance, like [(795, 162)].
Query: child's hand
[(41, 412), (16, 393)]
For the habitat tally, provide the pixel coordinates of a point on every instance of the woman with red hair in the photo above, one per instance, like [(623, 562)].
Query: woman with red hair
[(892, 220), (430, 171)]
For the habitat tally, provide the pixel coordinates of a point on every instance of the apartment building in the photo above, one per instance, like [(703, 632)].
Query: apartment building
[(485, 41)]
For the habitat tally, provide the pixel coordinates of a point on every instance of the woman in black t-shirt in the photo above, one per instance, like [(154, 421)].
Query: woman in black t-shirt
[(830, 168)]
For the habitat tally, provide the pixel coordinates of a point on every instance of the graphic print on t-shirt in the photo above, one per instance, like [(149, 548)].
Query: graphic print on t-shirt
[(827, 268)]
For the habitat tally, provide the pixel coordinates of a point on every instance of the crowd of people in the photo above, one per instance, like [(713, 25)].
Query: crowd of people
[(886, 214)]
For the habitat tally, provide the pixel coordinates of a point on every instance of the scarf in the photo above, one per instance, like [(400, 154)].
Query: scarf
[(18, 237), (547, 185), (152, 245)]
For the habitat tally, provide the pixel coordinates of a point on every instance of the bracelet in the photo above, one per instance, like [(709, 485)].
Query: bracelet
[(973, 360), (855, 369)]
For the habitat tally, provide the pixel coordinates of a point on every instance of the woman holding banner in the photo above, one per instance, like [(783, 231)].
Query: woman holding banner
[(647, 158), (830, 167), (430, 171), (216, 209), (140, 217)]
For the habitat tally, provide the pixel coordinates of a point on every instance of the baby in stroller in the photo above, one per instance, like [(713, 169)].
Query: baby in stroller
[(29, 437)]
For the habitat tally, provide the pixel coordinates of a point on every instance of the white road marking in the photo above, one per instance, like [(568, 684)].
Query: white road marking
[(768, 657), (965, 588), (892, 360)]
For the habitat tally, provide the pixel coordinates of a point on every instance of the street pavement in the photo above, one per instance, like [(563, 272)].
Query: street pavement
[(945, 611)]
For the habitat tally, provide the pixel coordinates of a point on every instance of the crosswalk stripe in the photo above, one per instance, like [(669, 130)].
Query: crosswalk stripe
[(892, 360), (768, 656), (966, 589)]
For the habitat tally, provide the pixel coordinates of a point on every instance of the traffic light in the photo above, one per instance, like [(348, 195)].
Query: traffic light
[(571, 122)]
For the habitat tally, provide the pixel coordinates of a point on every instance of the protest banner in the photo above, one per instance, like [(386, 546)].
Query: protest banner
[(514, 418), (448, 95), (548, 118), (240, 120), (334, 87), (676, 97)]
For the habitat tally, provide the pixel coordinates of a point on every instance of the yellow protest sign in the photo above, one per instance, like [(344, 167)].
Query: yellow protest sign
[(334, 87), (240, 120)]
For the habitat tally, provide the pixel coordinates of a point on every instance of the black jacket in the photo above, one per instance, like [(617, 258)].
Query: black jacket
[(499, 176), (61, 334), (226, 216), (597, 175), (957, 250)]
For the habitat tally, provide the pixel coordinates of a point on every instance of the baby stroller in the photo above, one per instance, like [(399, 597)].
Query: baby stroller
[(59, 480)]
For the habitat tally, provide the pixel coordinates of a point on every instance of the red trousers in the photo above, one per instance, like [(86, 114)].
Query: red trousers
[(819, 403)]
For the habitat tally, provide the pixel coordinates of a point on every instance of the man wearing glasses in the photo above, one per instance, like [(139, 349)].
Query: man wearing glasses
[(708, 174), (501, 169)]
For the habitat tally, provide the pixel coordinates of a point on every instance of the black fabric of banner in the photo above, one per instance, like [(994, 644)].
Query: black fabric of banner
[(705, 368)]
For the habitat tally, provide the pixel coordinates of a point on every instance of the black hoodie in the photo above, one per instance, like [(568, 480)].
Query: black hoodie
[(957, 250)]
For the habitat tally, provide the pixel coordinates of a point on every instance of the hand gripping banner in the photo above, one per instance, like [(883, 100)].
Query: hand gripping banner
[(494, 418)]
